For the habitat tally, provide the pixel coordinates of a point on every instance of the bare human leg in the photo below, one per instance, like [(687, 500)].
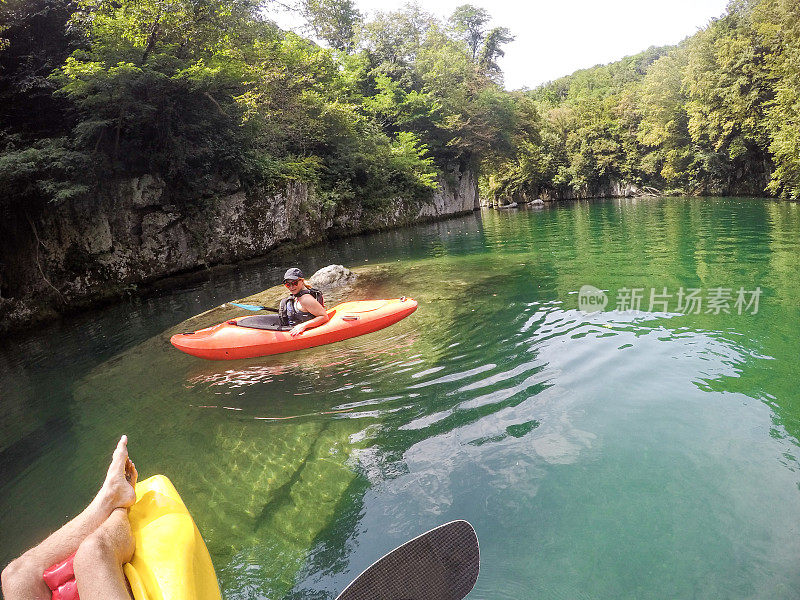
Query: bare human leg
[(22, 578), (98, 563)]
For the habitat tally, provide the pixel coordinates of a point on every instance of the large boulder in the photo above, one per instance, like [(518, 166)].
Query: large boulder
[(332, 276)]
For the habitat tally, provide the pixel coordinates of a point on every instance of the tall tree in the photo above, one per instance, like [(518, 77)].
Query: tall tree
[(334, 21), (396, 37), (156, 89), (469, 22), (728, 88), (492, 50), (392, 43), (664, 124), (777, 23)]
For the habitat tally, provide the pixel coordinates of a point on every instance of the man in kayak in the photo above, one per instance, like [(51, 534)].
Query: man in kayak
[(101, 535), (305, 307)]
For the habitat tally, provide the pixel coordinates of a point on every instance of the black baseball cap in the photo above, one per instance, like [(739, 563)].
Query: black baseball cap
[(293, 273)]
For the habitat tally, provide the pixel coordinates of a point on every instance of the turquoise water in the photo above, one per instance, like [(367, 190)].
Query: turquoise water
[(646, 454)]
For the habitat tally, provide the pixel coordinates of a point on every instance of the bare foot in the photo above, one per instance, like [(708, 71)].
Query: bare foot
[(117, 490)]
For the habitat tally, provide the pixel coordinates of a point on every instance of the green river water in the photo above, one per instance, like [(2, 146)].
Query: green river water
[(617, 454)]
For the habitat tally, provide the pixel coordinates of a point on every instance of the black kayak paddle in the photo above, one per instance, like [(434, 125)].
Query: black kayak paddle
[(441, 564)]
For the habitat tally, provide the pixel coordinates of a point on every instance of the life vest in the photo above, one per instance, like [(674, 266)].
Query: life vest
[(288, 311)]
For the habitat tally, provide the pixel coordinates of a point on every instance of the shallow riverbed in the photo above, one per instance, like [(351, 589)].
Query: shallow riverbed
[(646, 453)]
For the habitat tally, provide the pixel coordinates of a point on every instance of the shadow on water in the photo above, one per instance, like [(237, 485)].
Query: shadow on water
[(282, 495)]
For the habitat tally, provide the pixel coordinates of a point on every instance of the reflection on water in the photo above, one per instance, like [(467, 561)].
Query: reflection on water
[(600, 456)]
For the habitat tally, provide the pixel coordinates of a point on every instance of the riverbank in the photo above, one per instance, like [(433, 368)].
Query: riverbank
[(136, 237)]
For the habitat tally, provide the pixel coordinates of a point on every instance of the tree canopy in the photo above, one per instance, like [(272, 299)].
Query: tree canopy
[(717, 114), (202, 90), (197, 91)]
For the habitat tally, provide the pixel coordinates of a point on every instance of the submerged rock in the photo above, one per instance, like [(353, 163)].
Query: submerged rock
[(332, 276)]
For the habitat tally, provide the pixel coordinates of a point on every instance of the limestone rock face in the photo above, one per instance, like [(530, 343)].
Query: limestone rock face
[(134, 231), (538, 195), (611, 189), (458, 194), (143, 191)]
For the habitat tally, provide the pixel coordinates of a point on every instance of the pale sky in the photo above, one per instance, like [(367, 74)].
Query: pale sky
[(557, 37)]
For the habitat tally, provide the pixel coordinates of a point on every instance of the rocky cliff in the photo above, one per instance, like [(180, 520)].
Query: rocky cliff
[(610, 189), (739, 185), (135, 231)]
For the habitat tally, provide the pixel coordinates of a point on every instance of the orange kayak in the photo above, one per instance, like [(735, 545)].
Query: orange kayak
[(237, 339)]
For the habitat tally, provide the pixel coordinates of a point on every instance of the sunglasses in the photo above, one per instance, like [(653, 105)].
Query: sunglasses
[(291, 282)]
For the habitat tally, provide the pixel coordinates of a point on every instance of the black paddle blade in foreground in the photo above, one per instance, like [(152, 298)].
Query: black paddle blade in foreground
[(441, 564)]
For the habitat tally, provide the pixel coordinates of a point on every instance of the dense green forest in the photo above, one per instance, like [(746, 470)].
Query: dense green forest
[(202, 90), (197, 91), (717, 115)]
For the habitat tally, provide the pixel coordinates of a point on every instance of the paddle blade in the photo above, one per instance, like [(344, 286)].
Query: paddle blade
[(441, 564), (253, 307)]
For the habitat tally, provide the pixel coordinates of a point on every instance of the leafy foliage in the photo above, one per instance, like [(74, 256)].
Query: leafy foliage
[(47, 168), (335, 21), (34, 40), (201, 90), (718, 114), (492, 50), (469, 21), (777, 25)]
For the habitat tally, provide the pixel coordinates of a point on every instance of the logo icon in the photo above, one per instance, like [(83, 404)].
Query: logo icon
[(591, 300)]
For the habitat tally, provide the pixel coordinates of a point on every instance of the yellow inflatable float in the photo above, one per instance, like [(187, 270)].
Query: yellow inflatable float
[(171, 561)]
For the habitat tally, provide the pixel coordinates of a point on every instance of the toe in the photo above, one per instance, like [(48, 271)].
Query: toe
[(130, 472), (121, 451)]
